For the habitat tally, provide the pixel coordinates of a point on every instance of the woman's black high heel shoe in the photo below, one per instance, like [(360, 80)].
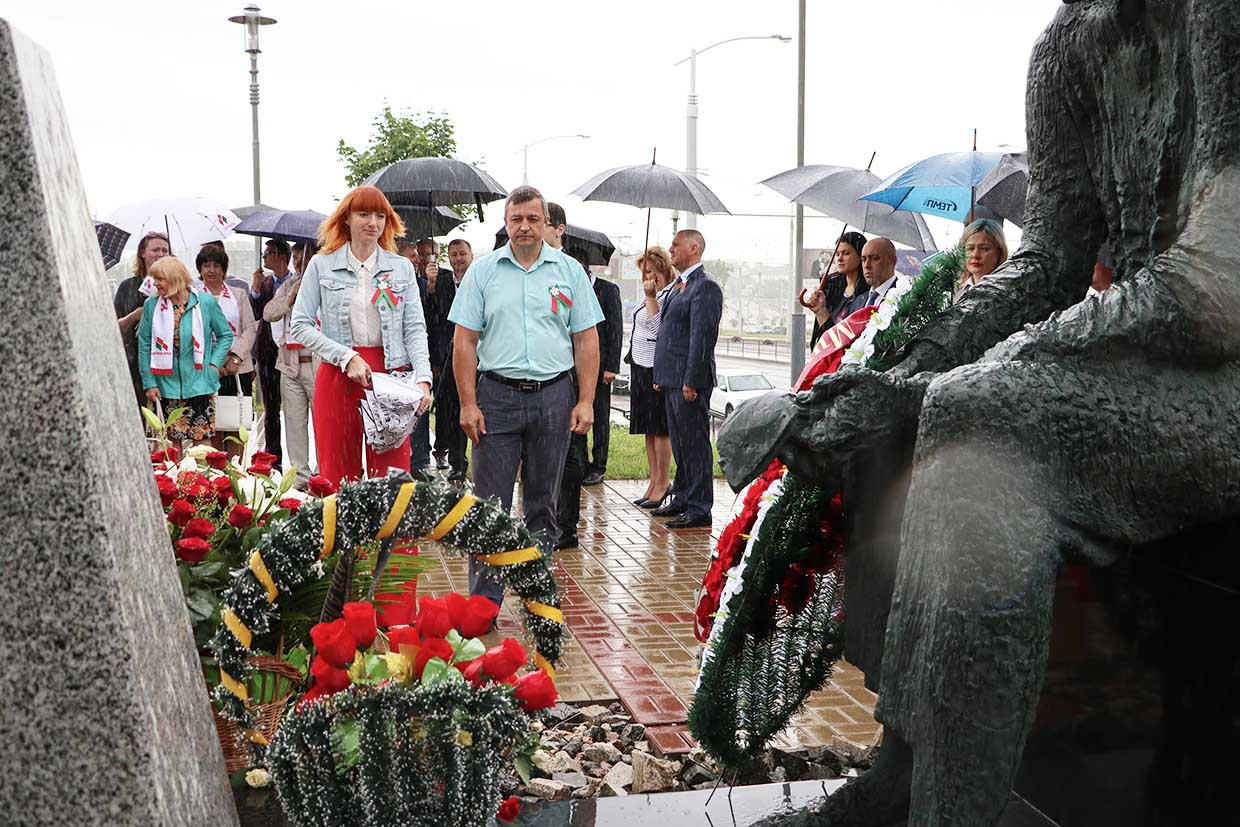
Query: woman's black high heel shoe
[(640, 502), (657, 503)]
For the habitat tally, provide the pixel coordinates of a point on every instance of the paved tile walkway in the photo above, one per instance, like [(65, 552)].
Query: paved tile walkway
[(628, 597)]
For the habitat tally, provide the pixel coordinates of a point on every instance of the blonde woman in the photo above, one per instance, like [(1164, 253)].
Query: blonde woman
[(183, 340), (647, 413), (985, 249)]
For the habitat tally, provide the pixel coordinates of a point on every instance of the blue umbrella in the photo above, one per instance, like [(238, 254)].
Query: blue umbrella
[(289, 225), (943, 185)]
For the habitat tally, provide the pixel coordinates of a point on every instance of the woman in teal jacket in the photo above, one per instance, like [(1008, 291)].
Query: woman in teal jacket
[(183, 340)]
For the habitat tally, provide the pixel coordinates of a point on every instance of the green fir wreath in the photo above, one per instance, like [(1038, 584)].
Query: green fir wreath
[(378, 509)]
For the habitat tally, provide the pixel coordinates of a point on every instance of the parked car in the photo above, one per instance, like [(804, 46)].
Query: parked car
[(734, 388)]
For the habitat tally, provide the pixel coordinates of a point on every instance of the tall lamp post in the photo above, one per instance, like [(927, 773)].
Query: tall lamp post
[(252, 19), (525, 153), (796, 322), (691, 111)]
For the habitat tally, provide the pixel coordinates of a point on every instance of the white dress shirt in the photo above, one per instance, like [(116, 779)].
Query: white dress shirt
[(364, 321)]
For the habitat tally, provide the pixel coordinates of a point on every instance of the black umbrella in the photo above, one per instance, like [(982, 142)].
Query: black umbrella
[(579, 242), (297, 225), (423, 223), (436, 182), (111, 242)]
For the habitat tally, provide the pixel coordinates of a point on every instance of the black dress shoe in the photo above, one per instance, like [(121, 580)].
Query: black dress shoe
[(685, 521), (593, 478), (567, 541), (672, 509)]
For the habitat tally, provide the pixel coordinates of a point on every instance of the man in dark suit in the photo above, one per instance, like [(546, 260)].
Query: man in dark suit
[(684, 372), (610, 343), (276, 257)]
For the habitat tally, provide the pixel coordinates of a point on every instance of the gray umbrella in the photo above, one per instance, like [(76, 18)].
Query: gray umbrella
[(436, 182), (1003, 189), (834, 191), (651, 185), (423, 223), (246, 212)]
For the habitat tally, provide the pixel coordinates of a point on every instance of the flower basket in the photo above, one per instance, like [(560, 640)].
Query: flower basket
[(272, 682), (391, 755)]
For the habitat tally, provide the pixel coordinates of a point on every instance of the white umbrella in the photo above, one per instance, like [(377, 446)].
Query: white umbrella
[(188, 222)]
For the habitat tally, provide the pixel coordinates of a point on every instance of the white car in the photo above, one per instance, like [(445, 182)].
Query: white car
[(734, 388)]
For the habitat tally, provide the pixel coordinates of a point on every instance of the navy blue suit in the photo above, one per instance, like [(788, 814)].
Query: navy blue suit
[(685, 355)]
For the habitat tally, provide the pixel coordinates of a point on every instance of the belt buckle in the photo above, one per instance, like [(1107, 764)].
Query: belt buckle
[(527, 386)]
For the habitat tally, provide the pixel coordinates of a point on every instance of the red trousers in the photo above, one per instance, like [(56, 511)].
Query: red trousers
[(338, 439)]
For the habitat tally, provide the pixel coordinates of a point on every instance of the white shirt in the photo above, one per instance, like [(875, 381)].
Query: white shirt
[(364, 321), (882, 289)]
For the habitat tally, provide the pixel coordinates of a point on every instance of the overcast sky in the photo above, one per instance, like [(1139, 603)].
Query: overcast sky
[(158, 102)]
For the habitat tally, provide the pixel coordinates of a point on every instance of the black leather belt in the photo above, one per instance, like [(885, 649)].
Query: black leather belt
[(525, 385)]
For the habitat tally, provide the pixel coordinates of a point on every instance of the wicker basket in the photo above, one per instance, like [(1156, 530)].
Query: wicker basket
[(272, 682)]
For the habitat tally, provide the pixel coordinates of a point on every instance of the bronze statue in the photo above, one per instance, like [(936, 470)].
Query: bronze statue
[(1025, 424)]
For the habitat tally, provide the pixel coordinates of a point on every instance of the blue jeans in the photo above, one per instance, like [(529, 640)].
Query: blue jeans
[(530, 431)]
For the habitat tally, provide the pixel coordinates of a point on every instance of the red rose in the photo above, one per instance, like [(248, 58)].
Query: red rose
[(192, 549), (172, 453), (433, 648), (217, 460), (503, 661), (434, 620), (509, 809), (157, 457), (167, 489), (360, 619), (263, 458), (535, 691), (241, 516), (181, 513), (198, 527), (320, 486), (290, 503), (259, 469), (333, 642), (331, 678), (472, 616), (403, 640), (195, 485), (472, 670), (223, 489)]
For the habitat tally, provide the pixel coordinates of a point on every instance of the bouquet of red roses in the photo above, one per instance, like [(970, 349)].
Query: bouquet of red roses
[(411, 727)]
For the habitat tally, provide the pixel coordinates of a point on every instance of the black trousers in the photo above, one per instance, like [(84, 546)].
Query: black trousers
[(450, 437), (269, 381), (602, 427), (688, 424), (576, 464)]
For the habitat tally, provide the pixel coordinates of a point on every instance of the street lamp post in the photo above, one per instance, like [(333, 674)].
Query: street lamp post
[(252, 19), (796, 322), (691, 110), (525, 153)]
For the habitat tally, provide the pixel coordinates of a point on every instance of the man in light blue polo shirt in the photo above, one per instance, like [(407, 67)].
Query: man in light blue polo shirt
[(525, 356)]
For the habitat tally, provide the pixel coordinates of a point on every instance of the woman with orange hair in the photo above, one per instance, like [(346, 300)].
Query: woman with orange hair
[(369, 318)]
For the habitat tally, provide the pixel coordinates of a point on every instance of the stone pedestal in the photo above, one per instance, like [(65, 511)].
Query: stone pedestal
[(103, 712)]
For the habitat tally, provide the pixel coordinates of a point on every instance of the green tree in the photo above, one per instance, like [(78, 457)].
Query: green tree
[(395, 138)]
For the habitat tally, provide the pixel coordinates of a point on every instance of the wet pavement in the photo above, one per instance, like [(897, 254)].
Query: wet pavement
[(628, 598)]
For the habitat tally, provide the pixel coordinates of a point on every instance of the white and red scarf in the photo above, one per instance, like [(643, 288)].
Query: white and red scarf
[(232, 311), (162, 332)]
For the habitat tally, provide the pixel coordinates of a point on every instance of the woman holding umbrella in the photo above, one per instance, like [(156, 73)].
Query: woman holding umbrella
[(366, 298), (842, 290)]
